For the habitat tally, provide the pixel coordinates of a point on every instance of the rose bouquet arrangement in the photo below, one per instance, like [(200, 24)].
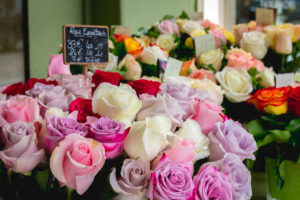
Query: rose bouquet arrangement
[(107, 138)]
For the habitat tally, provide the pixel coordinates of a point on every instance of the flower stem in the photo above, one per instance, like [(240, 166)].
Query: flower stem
[(283, 58), (70, 192)]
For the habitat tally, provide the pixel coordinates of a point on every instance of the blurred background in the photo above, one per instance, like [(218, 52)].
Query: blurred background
[(30, 30)]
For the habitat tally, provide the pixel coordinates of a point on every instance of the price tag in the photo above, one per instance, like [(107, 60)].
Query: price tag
[(173, 67), (125, 30), (265, 16), (196, 16), (203, 43), (285, 79)]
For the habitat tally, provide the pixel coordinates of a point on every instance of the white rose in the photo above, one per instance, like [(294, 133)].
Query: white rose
[(191, 130), (254, 42), (150, 55), (133, 68), (111, 65), (146, 139), (53, 111), (212, 57), (191, 26), (166, 41), (119, 103), (266, 78), (236, 82)]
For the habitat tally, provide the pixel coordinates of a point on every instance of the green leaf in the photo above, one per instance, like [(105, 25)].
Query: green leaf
[(256, 128), (274, 135), (209, 67), (41, 178), (206, 30), (168, 17), (271, 119), (183, 15), (294, 126), (122, 73)]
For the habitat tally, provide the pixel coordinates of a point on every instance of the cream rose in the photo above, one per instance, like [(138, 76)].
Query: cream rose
[(191, 26), (254, 42), (212, 57), (236, 82), (146, 139), (53, 111), (111, 65), (119, 103), (191, 130), (166, 41), (150, 55), (266, 78), (133, 68)]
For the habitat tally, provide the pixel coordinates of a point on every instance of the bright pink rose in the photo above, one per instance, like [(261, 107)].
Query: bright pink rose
[(57, 66), (76, 161), (168, 27), (207, 114), (19, 107), (203, 74), (21, 151), (182, 152), (219, 38)]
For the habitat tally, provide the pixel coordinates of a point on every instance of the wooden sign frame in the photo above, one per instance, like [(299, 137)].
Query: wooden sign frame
[(64, 44)]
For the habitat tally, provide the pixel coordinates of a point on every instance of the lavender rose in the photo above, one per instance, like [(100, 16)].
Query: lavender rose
[(21, 151), (161, 105), (38, 88), (170, 181), (212, 184), (56, 97), (57, 128), (231, 137), (110, 134), (239, 175), (78, 85), (133, 180)]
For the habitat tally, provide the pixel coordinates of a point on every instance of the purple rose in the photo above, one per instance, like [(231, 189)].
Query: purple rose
[(170, 181), (161, 105), (38, 88), (184, 95), (56, 97), (168, 27), (212, 184), (231, 137), (57, 128), (239, 175), (78, 85), (110, 134), (133, 180), (21, 151)]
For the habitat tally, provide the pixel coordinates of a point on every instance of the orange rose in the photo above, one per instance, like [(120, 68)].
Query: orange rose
[(188, 67), (120, 37), (203, 74), (133, 47), (271, 100)]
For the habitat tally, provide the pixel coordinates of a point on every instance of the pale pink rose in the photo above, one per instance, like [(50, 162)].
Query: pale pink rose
[(19, 107), (237, 60), (181, 152), (76, 162), (57, 66), (219, 38), (168, 27), (21, 151), (259, 65), (203, 74), (79, 85), (209, 24), (283, 43), (238, 31), (207, 114)]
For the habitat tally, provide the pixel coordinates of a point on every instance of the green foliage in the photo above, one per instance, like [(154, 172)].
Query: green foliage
[(183, 15), (168, 17), (206, 30), (253, 72), (209, 67), (76, 69)]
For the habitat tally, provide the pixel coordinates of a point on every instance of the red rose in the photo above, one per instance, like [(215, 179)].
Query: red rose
[(84, 108), (294, 101), (14, 89), (142, 86), (109, 77)]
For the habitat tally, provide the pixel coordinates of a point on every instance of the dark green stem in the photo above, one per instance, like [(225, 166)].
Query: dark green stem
[(283, 58), (70, 192)]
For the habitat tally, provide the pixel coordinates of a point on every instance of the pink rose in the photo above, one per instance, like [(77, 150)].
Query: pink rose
[(203, 74), (19, 107), (79, 85), (76, 161), (283, 43), (238, 31), (21, 151), (237, 60), (182, 152), (207, 114), (57, 66), (209, 24), (168, 27), (219, 38)]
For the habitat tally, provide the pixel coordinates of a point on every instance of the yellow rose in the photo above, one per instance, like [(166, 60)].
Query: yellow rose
[(189, 41), (213, 57), (180, 23), (132, 46), (119, 103), (276, 110), (229, 36)]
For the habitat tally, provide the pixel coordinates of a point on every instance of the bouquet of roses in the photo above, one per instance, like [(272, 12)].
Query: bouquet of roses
[(108, 138)]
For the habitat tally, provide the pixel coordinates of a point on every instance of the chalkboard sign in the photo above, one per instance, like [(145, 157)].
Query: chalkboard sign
[(84, 44)]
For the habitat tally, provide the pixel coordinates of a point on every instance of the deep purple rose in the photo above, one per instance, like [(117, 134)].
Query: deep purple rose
[(170, 181), (58, 128), (238, 173), (110, 134), (231, 137), (212, 184)]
